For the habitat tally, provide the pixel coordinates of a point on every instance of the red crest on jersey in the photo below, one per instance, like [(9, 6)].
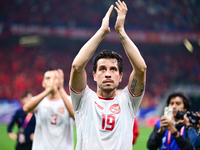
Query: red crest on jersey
[(115, 108), (61, 110)]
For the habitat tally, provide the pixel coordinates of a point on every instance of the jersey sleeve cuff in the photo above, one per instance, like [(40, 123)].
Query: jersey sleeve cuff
[(77, 92), (133, 95)]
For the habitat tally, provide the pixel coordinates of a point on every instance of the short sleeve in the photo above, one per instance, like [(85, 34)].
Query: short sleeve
[(133, 100), (78, 98)]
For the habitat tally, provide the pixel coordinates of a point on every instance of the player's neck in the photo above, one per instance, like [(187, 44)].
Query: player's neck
[(106, 94)]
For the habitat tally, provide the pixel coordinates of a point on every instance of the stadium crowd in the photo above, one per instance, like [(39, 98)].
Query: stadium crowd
[(157, 15), (22, 68)]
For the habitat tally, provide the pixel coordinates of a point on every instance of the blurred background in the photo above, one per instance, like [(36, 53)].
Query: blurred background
[(36, 35)]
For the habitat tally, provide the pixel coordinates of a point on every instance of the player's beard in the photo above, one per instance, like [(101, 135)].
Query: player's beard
[(107, 89)]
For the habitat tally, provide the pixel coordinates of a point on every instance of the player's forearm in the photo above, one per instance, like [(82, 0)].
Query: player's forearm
[(67, 102), (132, 52), (88, 50), (32, 104), (78, 77)]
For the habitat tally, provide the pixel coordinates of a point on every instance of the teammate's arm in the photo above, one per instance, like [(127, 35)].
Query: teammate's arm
[(78, 77), (31, 105), (63, 93), (138, 75)]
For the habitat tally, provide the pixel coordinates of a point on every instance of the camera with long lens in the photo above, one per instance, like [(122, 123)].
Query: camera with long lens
[(194, 119)]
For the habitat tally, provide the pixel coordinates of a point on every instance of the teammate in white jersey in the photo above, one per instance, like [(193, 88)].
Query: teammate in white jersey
[(104, 119), (54, 113)]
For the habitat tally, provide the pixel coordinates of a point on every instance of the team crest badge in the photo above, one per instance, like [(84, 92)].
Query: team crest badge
[(115, 108), (61, 110)]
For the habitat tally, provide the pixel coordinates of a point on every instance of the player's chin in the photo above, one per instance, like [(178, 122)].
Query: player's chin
[(108, 89)]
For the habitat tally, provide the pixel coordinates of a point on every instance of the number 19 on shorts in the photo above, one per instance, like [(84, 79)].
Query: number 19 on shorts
[(108, 122)]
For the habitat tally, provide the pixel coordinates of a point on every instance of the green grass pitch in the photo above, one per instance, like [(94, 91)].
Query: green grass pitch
[(7, 144)]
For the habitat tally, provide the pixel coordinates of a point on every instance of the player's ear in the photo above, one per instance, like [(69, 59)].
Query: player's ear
[(94, 75), (120, 77), (43, 85)]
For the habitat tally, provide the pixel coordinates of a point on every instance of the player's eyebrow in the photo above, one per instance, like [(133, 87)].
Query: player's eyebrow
[(101, 65)]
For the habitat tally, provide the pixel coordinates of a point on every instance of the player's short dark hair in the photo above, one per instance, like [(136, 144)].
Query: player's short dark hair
[(110, 55), (26, 94), (186, 100), (49, 69)]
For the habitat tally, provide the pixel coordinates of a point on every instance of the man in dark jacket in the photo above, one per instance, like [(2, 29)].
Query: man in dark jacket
[(170, 134), (26, 125)]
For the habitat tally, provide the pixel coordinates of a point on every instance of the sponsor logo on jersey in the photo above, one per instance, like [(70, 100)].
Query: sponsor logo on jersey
[(115, 108), (61, 110)]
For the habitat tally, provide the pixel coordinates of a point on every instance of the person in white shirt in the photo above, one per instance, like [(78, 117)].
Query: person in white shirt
[(54, 114), (105, 118)]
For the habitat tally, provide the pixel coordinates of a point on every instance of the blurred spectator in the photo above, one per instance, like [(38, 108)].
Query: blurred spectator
[(157, 15), (26, 125), (170, 70), (169, 132), (193, 129)]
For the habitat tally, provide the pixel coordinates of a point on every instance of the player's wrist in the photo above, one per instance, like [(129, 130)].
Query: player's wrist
[(48, 91), (61, 89), (120, 31), (103, 31)]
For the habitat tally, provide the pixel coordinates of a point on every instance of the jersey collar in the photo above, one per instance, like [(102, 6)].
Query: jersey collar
[(104, 98)]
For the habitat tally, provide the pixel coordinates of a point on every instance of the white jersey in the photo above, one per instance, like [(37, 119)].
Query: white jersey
[(102, 123), (54, 126)]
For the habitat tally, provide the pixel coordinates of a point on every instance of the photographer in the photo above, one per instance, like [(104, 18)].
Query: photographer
[(192, 132), (170, 133)]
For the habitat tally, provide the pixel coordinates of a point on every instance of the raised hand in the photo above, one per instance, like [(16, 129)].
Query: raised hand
[(121, 15), (60, 76), (53, 83), (105, 22)]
